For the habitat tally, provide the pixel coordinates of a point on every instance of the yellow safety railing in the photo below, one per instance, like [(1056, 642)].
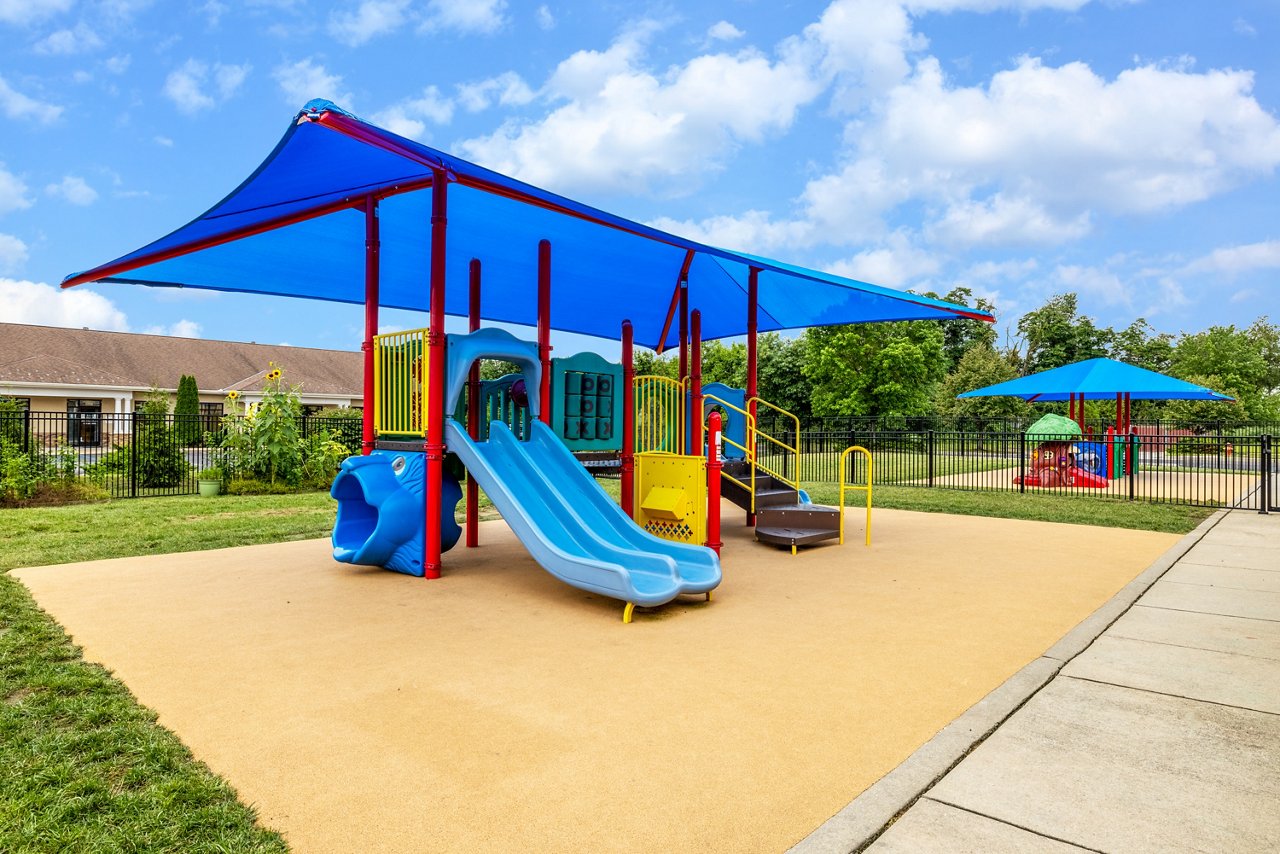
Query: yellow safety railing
[(854, 487), (749, 453), (660, 415), (400, 383), (752, 432)]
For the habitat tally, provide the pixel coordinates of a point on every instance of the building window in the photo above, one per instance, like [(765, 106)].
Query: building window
[(210, 415), (84, 422)]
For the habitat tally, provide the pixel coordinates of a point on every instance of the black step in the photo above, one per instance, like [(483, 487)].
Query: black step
[(774, 496), (797, 524), (794, 536)]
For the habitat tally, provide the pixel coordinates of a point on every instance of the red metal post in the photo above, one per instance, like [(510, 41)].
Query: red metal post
[(753, 304), (544, 329), (473, 407), (695, 383), (433, 448), (628, 418), (372, 249), (713, 482)]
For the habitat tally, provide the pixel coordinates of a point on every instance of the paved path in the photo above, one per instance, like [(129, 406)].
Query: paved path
[(1154, 726)]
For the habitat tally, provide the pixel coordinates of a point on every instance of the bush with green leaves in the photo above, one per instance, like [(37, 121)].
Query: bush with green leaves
[(186, 411), (161, 459)]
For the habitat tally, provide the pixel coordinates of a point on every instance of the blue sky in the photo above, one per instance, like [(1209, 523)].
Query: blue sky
[(1123, 150)]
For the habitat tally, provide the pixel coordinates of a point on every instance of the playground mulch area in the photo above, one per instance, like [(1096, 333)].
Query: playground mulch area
[(497, 709)]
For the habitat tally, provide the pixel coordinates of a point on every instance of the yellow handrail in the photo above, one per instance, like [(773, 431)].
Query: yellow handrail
[(659, 415), (843, 486), (794, 484), (400, 382), (748, 452)]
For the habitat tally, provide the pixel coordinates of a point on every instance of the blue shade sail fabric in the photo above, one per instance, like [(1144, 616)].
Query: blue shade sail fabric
[(296, 227), (1097, 379)]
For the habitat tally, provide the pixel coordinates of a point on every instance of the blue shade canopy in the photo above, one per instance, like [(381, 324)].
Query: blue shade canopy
[(296, 227), (1097, 379)]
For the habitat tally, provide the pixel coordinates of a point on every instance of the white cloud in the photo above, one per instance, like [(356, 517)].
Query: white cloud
[(39, 303), (13, 192), (465, 16), (73, 189), (863, 45), (79, 39), (306, 79), (13, 254), (1056, 142), (894, 265), (1238, 259), (1004, 221), (192, 86), (370, 19), (19, 106), (163, 141), (409, 117), (752, 231), (546, 20), (921, 6), (724, 31), (507, 89), (1244, 28), (23, 12), (623, 125), (181, 329), (1098, 282), (118, 64)]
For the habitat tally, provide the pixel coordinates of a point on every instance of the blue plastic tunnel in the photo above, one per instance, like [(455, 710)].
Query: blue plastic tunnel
[(380, 511)]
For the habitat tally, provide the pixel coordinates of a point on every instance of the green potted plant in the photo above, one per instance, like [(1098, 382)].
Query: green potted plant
[(209, 481)]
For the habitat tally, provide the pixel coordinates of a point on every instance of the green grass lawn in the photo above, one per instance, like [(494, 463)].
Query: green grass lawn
[(84, 767)]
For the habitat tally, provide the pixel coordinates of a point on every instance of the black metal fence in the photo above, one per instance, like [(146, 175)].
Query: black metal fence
[(770, 422), (1201, 469), (132, 455)]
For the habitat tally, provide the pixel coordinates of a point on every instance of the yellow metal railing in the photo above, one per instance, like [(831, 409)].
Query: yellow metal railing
[(794, 451), (748, 452), (854, 487), (400, 383), (660, 415)]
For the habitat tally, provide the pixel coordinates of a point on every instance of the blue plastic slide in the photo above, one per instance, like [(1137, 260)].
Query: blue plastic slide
[(571, 526)]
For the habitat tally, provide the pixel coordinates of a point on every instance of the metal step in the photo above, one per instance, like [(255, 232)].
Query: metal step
[(797, 524)]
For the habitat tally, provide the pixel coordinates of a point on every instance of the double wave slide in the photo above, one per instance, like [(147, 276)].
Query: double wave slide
[(571, 526)]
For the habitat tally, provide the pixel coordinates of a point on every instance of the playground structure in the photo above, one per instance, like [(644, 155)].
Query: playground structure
[(367, 213)]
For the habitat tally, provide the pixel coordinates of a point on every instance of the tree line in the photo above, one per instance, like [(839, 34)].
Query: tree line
[(916, 368)]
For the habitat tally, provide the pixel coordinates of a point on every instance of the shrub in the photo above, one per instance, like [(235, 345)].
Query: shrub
[(186, 411), (253, 486)]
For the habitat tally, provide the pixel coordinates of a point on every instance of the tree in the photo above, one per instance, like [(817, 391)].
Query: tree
[(780, 374), (1203, 415), (962, 334), (186, 411), (1056, 334), (874, 368), (1246, 361), (979, 368), (1140, 345)]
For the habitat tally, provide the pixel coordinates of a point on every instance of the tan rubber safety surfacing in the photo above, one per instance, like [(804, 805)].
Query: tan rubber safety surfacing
[(496, 709)]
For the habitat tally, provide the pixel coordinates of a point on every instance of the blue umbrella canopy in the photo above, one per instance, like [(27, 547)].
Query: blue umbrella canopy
[(1097, 379), (296, 227)]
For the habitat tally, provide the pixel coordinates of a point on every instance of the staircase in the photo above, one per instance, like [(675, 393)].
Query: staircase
[(784, 517)]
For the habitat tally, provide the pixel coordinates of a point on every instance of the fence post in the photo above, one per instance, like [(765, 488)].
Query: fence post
[(1264, 462), (26, 431), (1022, 461), (929, 443), (133, 454), (1131, 461)]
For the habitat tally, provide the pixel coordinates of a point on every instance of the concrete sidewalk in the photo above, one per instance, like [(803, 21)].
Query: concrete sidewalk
[(1163, 734)]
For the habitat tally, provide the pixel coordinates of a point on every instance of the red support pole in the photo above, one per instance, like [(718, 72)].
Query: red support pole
[(684, 331), (753, 305), (372, 249), (695, 383), (713, 482), (628, 418), (544, 329), (433, 447), (473, 407)]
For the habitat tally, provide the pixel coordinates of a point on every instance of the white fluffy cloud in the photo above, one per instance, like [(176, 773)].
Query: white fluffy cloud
[(306, 79), (507, 89), (619, 124), (23, 12), (39, 303), (753, 231), (78, 39), (465, 16), (13, 254), (16, 105), (896, 264), (370, 19), (409, 117), (724, 31), (13, 192), (1233, 260), (73, 189), (180, 329), (1003, 221), (546, 20), (192, 86)]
